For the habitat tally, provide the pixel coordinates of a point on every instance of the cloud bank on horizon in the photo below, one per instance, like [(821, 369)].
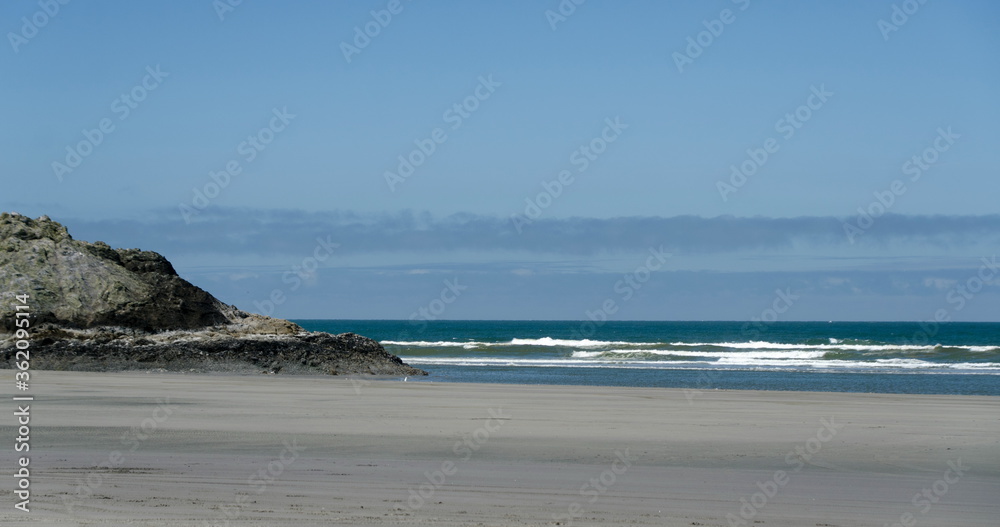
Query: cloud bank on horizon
[(244, 231), (343, 264), (683, 160)]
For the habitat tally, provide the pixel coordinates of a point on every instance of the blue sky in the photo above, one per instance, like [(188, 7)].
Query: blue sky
[(586, 125)]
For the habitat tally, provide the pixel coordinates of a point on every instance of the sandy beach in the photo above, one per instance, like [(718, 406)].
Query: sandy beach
[(175, 449)]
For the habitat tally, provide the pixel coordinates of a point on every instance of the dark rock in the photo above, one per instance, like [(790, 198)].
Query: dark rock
[(287, 354), (96, 308), (83, 285)]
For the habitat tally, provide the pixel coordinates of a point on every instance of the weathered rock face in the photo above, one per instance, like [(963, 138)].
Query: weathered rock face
[(84, 285), (100, 309)]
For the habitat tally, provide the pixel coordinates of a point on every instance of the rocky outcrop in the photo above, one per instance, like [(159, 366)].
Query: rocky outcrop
[(216, 349), (84, 285), (95, 308)]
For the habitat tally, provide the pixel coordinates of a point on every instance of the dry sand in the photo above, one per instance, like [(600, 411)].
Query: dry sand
[(174, 449)]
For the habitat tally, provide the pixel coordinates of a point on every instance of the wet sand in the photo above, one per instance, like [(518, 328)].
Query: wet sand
[(175, 449)]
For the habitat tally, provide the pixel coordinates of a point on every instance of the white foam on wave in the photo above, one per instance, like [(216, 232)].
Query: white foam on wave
[(544, 341), (436, 344), (757, 344), (826, 364), (788, 354), (882, 365), (976, 348), (835, 345), (980, 365), (585, 343), (484, 361)]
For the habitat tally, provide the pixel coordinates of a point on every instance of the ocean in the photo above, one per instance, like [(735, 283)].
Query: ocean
[(868, 357)]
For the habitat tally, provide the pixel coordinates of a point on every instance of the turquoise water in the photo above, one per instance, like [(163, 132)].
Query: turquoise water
[(882, 357)]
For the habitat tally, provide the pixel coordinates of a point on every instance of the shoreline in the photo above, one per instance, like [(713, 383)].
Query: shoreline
[(429, 379), (274, 449)]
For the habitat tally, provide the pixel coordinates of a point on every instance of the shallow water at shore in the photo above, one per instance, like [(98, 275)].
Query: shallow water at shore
[(879, 357)]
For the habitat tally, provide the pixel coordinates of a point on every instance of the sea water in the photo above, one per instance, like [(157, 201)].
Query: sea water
[(880, 357)]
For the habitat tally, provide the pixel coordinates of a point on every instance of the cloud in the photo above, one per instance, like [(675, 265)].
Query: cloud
[(498, 292), (388, 265), (268, 232)]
